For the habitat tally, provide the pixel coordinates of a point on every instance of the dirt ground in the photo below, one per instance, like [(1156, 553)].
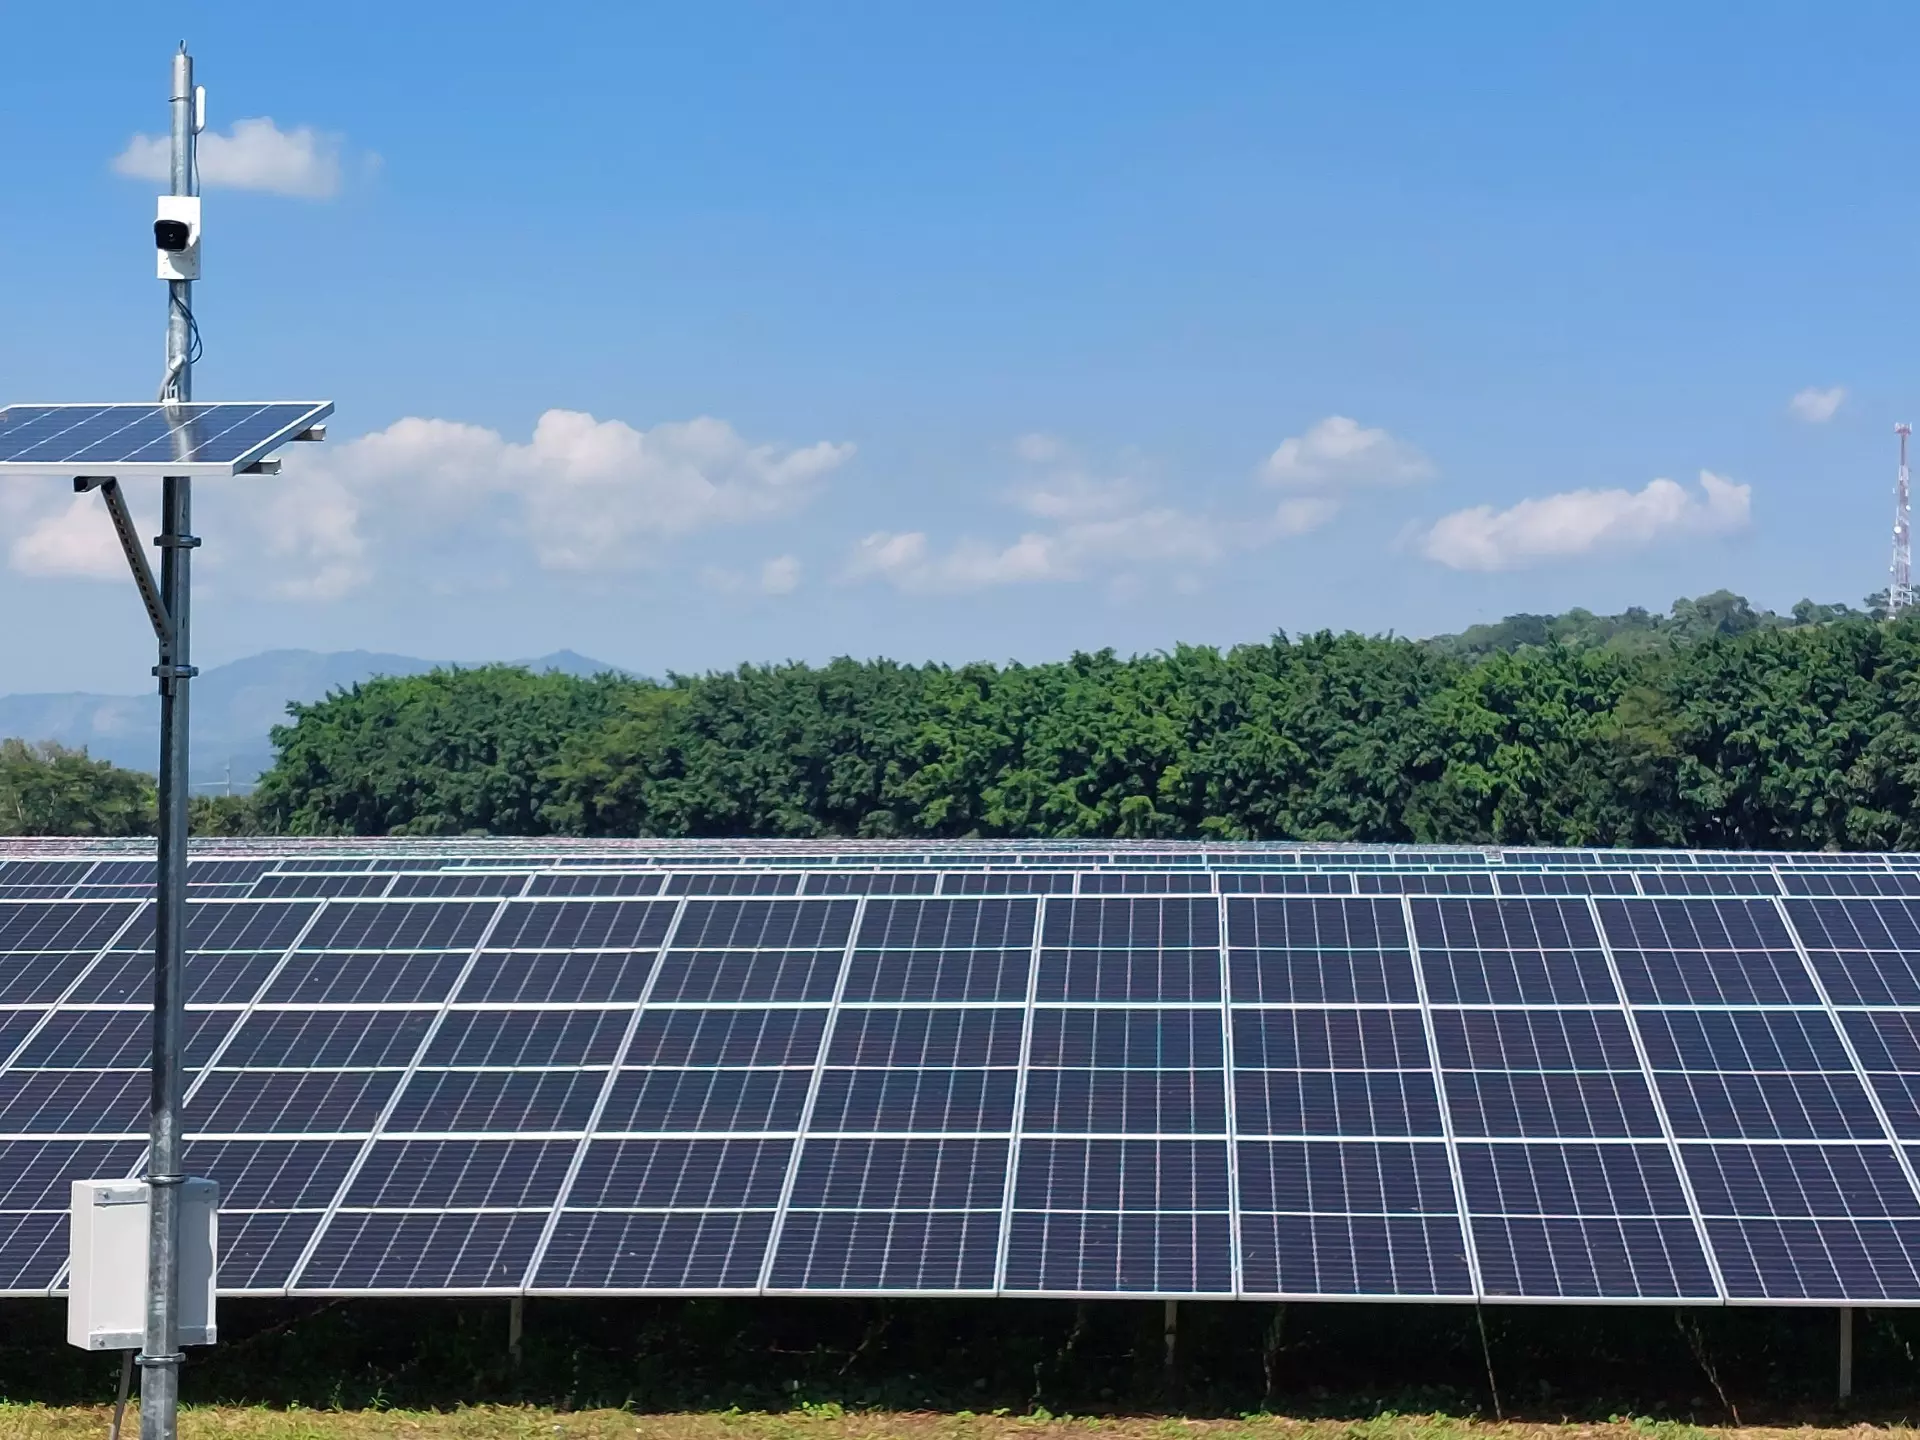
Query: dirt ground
[(30, 1422)]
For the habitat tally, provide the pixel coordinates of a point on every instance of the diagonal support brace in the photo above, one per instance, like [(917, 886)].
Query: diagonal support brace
[(109, 489)]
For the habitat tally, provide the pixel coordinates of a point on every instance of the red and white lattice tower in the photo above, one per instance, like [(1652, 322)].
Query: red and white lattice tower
[(1900, 590)]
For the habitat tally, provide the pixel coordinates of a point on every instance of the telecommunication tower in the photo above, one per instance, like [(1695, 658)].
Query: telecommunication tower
[(1900, 588)]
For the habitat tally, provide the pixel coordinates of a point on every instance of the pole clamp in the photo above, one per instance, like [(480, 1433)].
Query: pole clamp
[(175, 672), (177, 542), (146, 1361)]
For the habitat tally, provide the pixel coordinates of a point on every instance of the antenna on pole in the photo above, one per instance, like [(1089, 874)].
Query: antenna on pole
[(1900, 588)]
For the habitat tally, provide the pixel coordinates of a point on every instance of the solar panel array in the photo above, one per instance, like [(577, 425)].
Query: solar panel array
[(981, 1068)]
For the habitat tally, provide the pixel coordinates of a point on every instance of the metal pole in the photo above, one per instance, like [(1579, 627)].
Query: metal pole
[(1846, 1353), (160, 1358)]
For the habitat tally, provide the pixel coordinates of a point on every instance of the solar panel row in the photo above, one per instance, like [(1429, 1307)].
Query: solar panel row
[(1143, 857), (1614, 1097), (586, 872)]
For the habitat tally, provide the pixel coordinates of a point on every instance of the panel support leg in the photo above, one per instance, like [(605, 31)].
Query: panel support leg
[(1270, 1351), (516, 1316), (1170, 1334), (1846, 1353)]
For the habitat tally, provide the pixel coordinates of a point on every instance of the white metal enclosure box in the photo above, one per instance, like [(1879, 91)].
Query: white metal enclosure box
[(107, 1285)]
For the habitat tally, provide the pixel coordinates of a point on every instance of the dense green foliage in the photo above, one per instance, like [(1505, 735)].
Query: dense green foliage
[(454, 752), (1720, 726), (48, 789), (1636, 630)]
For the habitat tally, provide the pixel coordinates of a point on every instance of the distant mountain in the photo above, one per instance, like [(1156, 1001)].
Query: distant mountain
[(234, 706)]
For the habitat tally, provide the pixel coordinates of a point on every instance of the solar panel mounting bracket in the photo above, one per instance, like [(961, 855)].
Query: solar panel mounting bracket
[(143, 580)]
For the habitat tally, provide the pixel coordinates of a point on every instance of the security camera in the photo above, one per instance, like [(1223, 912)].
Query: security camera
[(176, 237)]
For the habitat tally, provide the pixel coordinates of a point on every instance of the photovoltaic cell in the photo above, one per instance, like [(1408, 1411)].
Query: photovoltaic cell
[(33, 1248), (1533, 952), (1728, 952), (250, 1102), (657, 1101), (1342, 1217), (1333, 1072), (1121, 950), (434, 1174), (670, 1252), (1756, 1075), (727, 1038), (150, 439), (800, 1107), (672, 1174), (284, 1175), (451, 1251), (1583, 1221), (547, 1038), (380, 926), (1319, 951), (500, 1102), (1806, 1222), (366, 978), (38, 1174), (1888, 1044), (546, 977), (1866, 952), (259, 1248), (1121, 1216)]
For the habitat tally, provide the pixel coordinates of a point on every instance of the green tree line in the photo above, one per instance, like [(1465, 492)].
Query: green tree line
[(1716, 725), (1734, 728), (49, 789)]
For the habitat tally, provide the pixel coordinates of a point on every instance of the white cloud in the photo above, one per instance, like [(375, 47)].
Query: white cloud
[(1816, 406), (73, 542), (255, 154), (906, 560), (1112, 546), (780, 575), (1072, 495), (457, 506), (587, 495), (310, 533), (1581, 522), (1039, 449), (1339, 453), (1097, 527), (1304, 513), (1111, 528)]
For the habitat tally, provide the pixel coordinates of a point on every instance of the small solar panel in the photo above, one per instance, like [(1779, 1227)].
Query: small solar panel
[(150, 439)]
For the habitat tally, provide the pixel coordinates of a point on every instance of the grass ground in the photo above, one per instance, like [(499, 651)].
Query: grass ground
[(31, 1422)]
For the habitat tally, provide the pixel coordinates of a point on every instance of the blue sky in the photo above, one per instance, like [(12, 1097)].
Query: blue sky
[(684, 336)]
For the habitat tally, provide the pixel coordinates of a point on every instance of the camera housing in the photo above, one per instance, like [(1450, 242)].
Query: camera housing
[(176, 237)]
